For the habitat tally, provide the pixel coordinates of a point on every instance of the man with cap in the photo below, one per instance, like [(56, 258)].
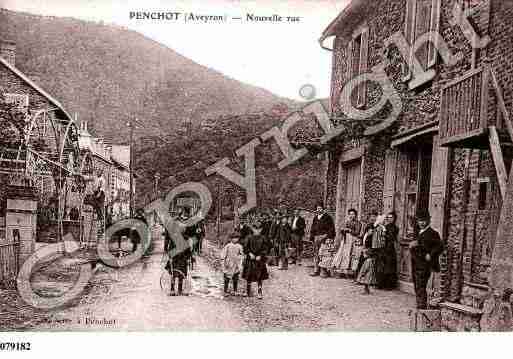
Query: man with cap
[(322, 228), (425, 251)]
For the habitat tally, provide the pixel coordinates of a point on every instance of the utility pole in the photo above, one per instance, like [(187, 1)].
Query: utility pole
[(131, 167)]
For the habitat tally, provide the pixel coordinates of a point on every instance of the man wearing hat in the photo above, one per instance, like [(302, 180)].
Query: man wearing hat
[(322, 228), (425, 251)]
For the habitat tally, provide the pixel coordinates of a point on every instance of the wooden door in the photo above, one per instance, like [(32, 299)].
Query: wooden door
[(416, 185), (438, 190), (353, 180)]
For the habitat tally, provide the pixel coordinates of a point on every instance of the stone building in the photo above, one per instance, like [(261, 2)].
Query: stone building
[(447, 151), (113, 161), (17, 87), (48, 125)]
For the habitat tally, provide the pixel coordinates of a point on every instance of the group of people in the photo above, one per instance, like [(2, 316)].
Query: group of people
[(368, 252), (364, 252), (274, 241)]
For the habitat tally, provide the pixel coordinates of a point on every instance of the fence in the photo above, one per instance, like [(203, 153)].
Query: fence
[(9, 264)]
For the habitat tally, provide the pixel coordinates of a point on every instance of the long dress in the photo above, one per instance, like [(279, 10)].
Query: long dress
[(388, 277), (346, 254), (256, 270)]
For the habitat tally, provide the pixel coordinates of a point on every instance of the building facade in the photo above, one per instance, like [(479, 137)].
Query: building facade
[(449, 148), (58, 143), (113, 162)]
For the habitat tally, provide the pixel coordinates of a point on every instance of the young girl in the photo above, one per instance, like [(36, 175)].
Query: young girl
[(372, 240), (256, 249), (232, 255)]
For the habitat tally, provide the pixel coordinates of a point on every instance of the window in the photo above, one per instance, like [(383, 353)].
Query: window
[(357, 61), (483, 193), (21, 100), (421, 16)]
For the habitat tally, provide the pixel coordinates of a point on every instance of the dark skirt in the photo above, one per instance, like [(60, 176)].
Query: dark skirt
[(254, 271), (387, 277)]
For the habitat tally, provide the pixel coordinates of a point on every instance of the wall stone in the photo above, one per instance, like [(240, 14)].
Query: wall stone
[(468, 235)]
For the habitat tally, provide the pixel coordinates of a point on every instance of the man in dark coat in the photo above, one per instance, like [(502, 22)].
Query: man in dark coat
[(178, 263), (297, 232), (190, 233), (425, 251), (200, 232), (283, 241), (322, 228), (272, 236)]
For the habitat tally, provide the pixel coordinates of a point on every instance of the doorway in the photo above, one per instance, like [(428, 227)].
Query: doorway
[(418, 158)]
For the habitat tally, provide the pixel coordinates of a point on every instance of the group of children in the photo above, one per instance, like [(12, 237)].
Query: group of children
[(248, 260)]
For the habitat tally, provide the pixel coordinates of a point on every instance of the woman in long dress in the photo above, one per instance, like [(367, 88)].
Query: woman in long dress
[(388, 277), (256, 249), (350, 237)]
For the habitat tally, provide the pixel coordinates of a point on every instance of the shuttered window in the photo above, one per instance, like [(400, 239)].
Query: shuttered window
[(422, 16), (357, 63)]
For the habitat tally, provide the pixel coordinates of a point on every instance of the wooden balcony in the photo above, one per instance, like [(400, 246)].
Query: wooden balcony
[(464, 112)]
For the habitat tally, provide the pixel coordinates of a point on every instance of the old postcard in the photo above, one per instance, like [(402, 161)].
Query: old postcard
[(287, 165)]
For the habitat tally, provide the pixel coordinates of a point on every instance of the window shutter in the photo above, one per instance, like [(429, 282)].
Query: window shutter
[(389, 180), (349, 61), (422, 25), (409, 32), (434, 27), (409, 20), (364, 51)]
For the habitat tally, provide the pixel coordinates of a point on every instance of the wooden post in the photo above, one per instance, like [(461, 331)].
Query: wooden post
[(498, 159), (502, 105)]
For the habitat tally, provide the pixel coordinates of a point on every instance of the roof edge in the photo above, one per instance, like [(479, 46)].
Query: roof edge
[(331, 29), (32, 84)]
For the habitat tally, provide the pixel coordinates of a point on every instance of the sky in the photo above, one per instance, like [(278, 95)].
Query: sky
[(280, 56)]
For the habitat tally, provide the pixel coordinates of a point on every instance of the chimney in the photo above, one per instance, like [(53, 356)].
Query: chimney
[(8, 51)]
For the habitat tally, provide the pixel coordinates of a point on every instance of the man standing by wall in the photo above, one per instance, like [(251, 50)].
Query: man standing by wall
[(323, 228), (297, 233), (425, 251)]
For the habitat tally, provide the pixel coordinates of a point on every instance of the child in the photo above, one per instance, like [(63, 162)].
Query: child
[(371, 241), (255, 269), (326, 253), (232, 262)]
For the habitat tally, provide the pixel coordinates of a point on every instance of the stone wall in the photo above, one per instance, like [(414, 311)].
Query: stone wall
[(468, 234), (11, 83)]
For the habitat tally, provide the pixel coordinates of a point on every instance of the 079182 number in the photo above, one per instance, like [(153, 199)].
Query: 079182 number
[(14, 346)]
